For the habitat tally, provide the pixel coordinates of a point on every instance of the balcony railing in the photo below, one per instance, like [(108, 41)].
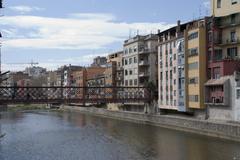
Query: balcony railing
[(147, 50), (217, 101), (143, 74), (228, 23), (227, 41), (143, 63)]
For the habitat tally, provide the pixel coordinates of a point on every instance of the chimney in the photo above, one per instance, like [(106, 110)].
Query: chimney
[(178, 26)]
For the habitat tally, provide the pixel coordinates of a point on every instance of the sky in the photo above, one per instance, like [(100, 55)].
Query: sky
[(73, 32)]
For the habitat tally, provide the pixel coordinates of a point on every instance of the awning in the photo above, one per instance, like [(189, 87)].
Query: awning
[(217, 82)]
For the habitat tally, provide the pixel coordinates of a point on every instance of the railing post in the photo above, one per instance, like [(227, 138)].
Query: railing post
[(83, 95)]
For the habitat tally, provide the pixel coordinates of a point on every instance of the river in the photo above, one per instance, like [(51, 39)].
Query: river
[(75, 136)]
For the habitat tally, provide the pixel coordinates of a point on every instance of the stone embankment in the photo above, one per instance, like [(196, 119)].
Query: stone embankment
[(218, 129)]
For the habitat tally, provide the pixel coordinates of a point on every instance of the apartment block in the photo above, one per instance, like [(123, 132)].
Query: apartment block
[(140, 58), (80, 77), (117, 59), (195, 63), (182, 66), (35, 71), (99, 61), (221, 8), (223, 60), (110, 74), (171, 68), (14, 78), (223, 51), (68, 74)]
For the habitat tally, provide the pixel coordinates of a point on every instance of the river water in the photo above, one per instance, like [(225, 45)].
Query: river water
[(75, 136)]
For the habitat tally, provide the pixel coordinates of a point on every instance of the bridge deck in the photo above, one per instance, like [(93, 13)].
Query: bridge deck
[(66, 95)]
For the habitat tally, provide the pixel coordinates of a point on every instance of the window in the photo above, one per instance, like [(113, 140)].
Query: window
[(126, 51), (160, 51), (135, 71), (135, 82), (193, 52), (126, 82), (135, 59), (174, 57), (130, 60), (171, 75), (233, 18), (233, 36), (126, 72), (135, 49), (130, 72), (193, 80), (234, 2), (193, 36), (161, 76), (130, 82), (126, 62), (238, 93), (217, 55), (216, 73), (192, 66), (219, 3), (166, 75), (232, 52), (193, 98), (130, 50), (210, 37)]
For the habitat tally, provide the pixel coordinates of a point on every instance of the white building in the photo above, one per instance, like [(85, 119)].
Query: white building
[(140, 60)]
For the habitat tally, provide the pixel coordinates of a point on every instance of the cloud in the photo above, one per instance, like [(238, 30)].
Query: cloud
[(93, 16), (79, 31), (25, 9), (53, 64), (206, 4)]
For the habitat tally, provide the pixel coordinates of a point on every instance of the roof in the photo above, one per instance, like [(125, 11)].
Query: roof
[(217, 82)]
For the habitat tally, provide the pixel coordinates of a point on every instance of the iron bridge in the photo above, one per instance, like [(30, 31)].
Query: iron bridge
[(68, 95)]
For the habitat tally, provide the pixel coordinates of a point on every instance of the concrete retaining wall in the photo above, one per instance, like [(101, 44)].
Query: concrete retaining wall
[(223, 130)]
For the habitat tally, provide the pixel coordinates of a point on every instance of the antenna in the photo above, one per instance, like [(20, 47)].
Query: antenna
[(130, 33), (200, 11)]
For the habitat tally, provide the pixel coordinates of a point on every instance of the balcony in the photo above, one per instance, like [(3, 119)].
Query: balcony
[(228, 23), (147, 50), (143, 74), (227, 42), (119, 69), (215, 101), (143, 63), (119, 78), (217, 92)]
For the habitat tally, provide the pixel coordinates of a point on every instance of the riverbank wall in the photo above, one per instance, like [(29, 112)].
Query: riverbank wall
[(217, 129)]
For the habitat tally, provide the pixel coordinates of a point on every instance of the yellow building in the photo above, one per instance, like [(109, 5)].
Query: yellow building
[(195, 47), (221, 8)]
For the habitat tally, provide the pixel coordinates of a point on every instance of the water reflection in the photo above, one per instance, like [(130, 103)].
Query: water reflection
[(48, 135)]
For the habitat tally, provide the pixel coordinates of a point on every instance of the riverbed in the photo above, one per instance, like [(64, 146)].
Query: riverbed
[(46, 135)]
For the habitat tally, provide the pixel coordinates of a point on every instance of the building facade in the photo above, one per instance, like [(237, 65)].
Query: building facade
[(140, 58), (36, 71), (117, 57), (223, 36), (195, 64), (170, 66), (182, 67), (99, 61)]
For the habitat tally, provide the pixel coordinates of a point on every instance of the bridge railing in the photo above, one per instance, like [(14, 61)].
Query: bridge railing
[(12, 95)]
